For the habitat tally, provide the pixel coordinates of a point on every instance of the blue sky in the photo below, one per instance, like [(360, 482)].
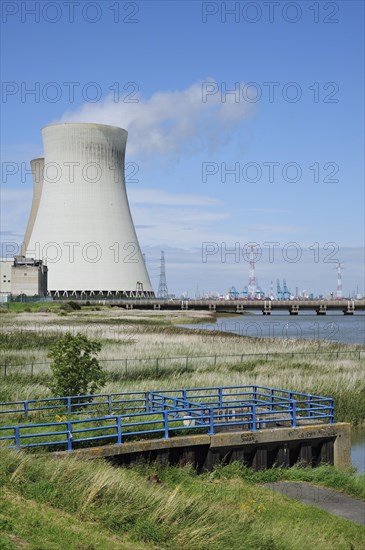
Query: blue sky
[(297, 150)]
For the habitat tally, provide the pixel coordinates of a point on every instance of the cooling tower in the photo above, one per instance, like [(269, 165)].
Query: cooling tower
[(83, 228), (37, 166)]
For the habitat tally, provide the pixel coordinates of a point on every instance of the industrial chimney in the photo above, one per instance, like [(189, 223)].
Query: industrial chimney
[(83, 228)]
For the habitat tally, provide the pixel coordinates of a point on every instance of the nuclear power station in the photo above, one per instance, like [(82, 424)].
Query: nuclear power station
[(80, 225)]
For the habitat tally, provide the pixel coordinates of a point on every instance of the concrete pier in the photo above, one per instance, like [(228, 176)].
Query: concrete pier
[(281, 447)]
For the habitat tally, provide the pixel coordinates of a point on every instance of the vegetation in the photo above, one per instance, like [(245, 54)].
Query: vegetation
[(91, 505), (75, 369), (94, 505)]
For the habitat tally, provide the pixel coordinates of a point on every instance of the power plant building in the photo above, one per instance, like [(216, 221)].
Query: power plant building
[(80, 224)]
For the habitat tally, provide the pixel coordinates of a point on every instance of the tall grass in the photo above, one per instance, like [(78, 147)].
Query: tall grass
[(220, 510)]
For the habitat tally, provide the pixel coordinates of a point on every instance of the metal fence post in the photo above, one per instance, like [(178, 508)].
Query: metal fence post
[(211, 421), (110, 404), (17, 437), (68, 405), (26, 406), (166, 424), (186, 363), (119, 430), (332, 408), (69, 436), (294, 414), (253, 413), (31, 370)]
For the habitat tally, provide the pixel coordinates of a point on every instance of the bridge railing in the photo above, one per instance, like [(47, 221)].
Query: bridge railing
[(163, 414), (116, 429), (122, 402), (308, 405)]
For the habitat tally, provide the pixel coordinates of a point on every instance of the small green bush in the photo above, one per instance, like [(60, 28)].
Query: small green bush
[(75, 369)]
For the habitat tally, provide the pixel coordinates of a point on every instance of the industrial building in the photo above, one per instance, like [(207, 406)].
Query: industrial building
[(80, 225), (22, 277)]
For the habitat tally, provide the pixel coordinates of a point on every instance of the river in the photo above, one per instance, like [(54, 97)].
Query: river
[(335, 327), (358, 448)]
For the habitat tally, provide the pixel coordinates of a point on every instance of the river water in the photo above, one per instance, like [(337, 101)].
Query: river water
[(358, 448), (334, 327)]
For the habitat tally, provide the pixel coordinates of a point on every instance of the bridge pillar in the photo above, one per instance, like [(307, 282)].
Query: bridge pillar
[(212, 307), (282, 457), (184, 304), (156, 306), (260, 459), (294, 309), (212, 458), (162, 456), (266, 308), (240, 308), (305, 455), (129, 306), (322, 309), (349, 310)]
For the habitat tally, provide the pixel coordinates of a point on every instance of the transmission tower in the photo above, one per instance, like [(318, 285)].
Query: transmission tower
[(339, 293), (251, 274), (162, 287)]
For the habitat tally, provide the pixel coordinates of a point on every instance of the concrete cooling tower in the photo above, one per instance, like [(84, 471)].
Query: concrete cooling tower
[(37, 166), (80, 223)]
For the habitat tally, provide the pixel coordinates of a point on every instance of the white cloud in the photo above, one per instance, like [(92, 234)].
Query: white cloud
[(168, 121)]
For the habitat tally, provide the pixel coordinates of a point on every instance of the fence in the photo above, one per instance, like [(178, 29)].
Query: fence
[(128, 365), (162, 414)]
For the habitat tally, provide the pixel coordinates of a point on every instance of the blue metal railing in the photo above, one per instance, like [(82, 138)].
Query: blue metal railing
[(160, 413), (79, 404)]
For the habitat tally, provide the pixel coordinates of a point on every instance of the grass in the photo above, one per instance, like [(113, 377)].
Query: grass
[(98, 505)]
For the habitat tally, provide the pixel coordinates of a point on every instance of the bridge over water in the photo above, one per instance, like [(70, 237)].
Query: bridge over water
[(294, 307)]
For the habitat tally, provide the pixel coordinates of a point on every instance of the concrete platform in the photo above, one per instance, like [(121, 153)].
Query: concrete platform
[(311, 445)]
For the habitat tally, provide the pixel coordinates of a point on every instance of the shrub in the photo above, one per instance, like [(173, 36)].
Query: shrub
[(75, 369)]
